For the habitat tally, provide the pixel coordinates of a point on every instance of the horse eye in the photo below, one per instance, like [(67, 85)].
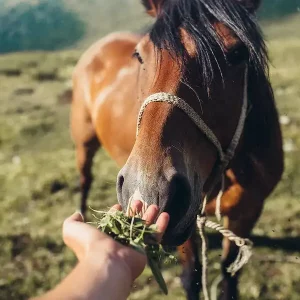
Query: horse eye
[(238, 55), (138, 56)]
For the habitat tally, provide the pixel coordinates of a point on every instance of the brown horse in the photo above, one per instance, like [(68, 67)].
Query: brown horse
[(198, 50)]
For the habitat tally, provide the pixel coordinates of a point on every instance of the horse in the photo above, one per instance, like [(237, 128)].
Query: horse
[(141, 97)]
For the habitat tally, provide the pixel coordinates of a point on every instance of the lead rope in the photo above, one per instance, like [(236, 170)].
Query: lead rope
[(244, 254), (244, 245), (218, 199)]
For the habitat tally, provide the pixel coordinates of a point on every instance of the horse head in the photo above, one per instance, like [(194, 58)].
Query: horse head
[(197, 51)]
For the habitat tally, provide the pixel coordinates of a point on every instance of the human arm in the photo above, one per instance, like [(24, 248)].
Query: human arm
[(106, 269)]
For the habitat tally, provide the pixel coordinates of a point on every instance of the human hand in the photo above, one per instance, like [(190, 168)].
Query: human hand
[(90, 244)]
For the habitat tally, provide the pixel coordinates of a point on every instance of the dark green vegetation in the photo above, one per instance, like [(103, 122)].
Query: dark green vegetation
[(272, 9), (47, 25), (59, 24), (38, 180)]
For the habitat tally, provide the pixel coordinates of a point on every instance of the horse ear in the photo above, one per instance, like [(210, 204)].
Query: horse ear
[(251, 5), (227, 37), (152, 6)]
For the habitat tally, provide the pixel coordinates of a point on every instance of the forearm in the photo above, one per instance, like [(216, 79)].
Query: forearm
[(93, 281)]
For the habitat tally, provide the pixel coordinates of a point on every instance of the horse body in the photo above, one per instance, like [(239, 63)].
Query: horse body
[(109, 89), (105, 84)]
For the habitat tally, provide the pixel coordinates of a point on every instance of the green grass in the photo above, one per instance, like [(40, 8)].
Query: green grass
[(38, 180)]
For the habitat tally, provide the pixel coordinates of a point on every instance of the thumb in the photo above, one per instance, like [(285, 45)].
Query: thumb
[(77, 235), (77, 216)]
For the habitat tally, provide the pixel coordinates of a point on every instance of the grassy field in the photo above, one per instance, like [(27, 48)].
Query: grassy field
[(39, 181)]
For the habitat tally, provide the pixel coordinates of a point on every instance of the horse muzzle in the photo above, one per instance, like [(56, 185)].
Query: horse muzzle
[(172, 195)]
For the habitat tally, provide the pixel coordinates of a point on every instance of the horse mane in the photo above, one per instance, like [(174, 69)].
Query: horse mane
[(196, 17)]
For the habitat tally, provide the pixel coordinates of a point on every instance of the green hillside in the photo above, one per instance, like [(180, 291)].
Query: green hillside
[(47, 25), (59, 24)]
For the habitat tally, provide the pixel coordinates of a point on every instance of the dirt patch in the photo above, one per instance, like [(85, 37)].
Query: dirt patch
[(23, 91), (65, 97), (11, 72)]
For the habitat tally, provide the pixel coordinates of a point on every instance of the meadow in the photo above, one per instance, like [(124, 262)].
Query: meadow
[(39, 180)]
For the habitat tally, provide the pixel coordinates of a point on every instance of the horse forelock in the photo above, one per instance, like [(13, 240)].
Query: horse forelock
[(197, 18)]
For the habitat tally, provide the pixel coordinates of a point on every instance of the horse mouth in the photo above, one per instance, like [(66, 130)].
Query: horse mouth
[(172, 195), (172, 238), (181, 210)]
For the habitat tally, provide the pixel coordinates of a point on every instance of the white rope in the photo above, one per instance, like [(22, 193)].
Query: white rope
[(245, 245), (192, 114), (214, 287), (201, 226), (218, 200)]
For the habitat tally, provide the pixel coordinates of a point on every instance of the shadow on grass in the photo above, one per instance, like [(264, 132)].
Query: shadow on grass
[(289, 244), (23, 242)]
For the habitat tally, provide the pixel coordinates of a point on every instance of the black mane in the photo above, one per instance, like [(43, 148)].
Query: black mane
[(196, 17), (262, 128)]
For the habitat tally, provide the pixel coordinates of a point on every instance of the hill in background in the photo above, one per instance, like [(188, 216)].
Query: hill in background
[(60, 24), (38, 25)]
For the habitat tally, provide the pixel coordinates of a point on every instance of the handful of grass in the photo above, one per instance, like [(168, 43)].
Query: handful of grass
[(133, 232)]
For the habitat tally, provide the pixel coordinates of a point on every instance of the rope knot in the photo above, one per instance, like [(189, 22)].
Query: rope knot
[(243, 257), (245, 248), (202, 220)]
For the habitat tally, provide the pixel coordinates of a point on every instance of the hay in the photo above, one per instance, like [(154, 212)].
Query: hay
[(135, 233)]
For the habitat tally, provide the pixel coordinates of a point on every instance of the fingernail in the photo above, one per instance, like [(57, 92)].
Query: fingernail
[(79, 212)]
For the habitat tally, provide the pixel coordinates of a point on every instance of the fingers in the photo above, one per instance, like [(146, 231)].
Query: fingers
[(77, 216), (162, 224), (151, 214), (78, 235), (116, 207), (135, 207)]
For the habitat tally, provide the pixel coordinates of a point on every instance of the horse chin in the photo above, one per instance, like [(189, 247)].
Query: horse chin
[(173, 238)]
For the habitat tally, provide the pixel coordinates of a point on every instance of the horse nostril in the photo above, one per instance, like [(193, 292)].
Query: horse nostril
[(179, 198), (120, 182)]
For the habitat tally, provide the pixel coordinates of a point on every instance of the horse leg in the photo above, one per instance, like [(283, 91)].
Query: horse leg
[(85, 154), (86, 142), (242, 227), (191, 275)]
